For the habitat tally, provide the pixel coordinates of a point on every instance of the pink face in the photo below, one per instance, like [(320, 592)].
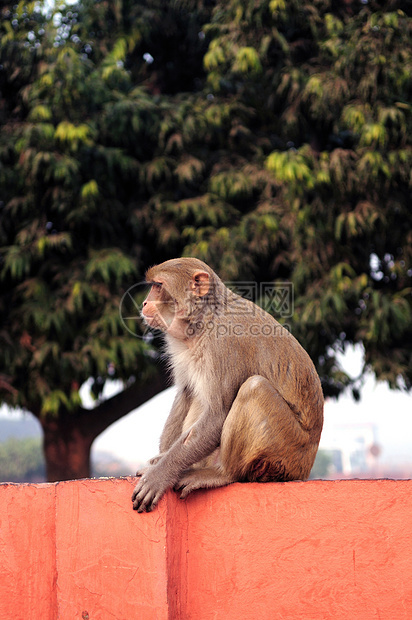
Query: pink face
[(158, 308), (170, 312)]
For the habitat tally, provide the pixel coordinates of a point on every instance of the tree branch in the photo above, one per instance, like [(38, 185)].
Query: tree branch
[(95, 421)]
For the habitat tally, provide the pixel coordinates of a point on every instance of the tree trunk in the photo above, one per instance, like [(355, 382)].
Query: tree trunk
[(66, 448), (68, 437)]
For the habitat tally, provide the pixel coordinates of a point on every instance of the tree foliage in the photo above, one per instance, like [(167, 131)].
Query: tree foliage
[(302, 138), (271, 139)]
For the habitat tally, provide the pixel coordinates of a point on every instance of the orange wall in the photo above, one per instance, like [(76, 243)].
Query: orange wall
[(337, 550)]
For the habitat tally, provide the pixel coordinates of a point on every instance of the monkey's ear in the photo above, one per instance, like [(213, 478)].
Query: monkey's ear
[(200, 283)]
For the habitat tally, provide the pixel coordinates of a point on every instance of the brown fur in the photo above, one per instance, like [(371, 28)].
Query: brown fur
[(249, 405)]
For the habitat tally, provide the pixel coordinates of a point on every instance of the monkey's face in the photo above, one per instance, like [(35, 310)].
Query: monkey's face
[(159, 307), (175, 298)]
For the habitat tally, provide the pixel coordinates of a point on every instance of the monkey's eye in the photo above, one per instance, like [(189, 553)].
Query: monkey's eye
[(157, 288)]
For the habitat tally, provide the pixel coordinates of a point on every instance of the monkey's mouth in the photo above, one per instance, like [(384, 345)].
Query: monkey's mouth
[(154, 321)]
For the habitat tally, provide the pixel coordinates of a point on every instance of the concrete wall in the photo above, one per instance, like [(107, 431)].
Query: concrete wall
[(298, 551)]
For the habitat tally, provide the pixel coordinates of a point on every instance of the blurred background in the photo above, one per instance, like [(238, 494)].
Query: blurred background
[(270, 139)]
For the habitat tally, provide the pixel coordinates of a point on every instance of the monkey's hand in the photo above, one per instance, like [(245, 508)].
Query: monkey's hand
[(151, 461), (150, 488)]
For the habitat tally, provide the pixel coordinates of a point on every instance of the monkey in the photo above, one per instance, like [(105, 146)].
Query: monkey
[(249, 402)]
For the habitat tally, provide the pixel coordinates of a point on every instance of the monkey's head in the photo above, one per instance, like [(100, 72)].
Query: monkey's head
[(180, 290)]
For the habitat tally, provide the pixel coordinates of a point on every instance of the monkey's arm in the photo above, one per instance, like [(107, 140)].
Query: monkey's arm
[(174, 423), (173, 426), (192, 446)]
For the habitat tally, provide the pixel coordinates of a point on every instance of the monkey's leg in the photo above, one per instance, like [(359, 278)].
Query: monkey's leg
[(262, 439), (206, 474)]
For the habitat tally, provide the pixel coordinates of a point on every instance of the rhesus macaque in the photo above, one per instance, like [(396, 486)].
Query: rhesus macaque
[(249, 405)]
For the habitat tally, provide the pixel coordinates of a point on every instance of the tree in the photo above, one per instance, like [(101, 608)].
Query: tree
[(72, 245), (79, 164), (307, 174), (270, 139)]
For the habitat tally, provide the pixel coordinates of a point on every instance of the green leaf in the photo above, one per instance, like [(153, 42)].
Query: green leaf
[(373, 134), (247, 61), (109, 265), (60, 241), (290, 167), (54, 401), (17, 263), (40, 113), (74, 136), (90, 190), (215, 57), (231, 186)]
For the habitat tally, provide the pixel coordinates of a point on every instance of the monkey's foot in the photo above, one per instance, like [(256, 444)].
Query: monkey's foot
[(209, 478)]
